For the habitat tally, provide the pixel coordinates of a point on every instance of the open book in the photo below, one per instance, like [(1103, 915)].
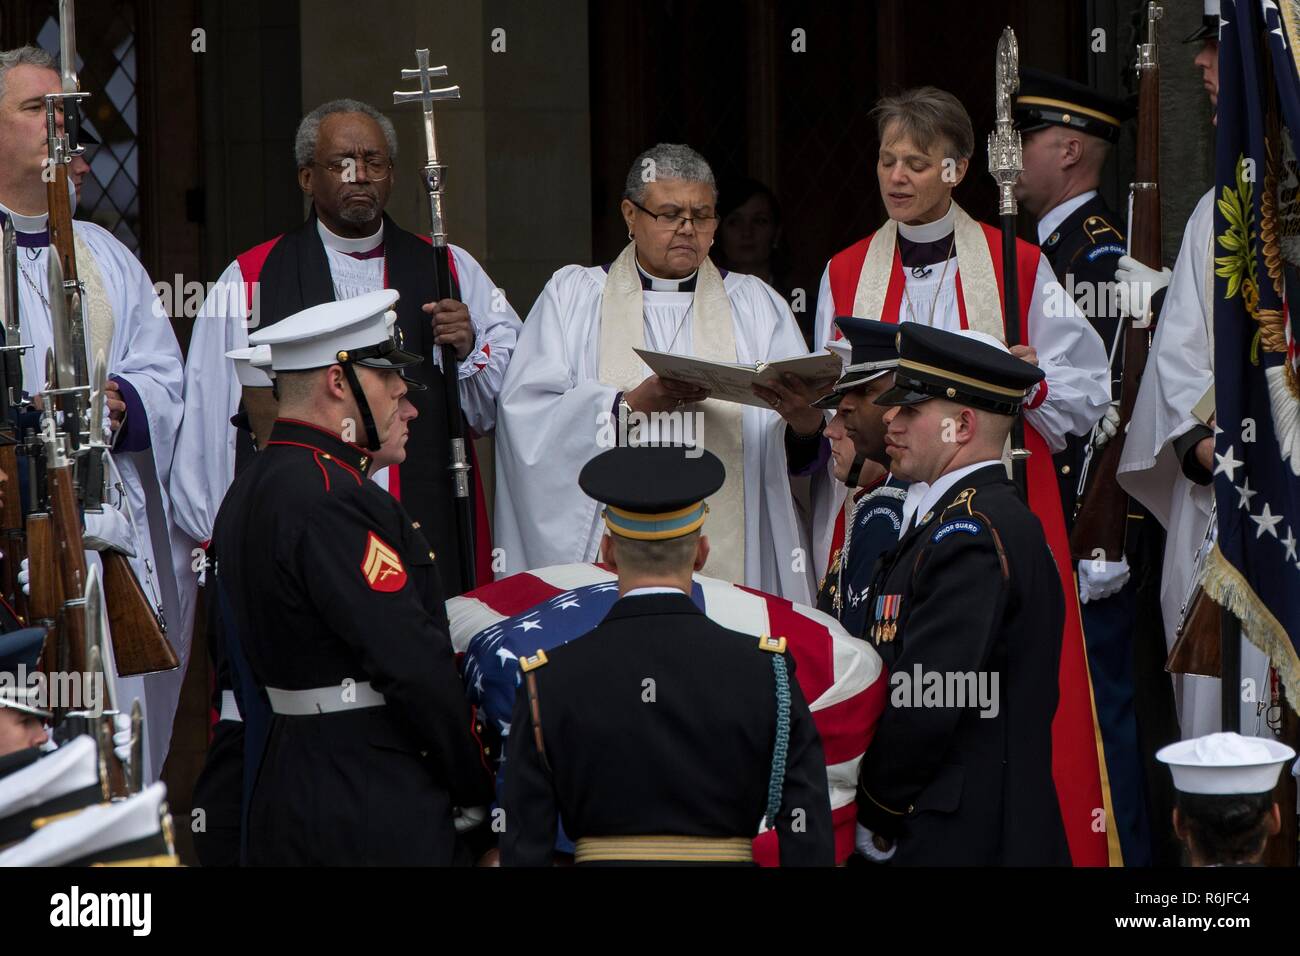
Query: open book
[(732, 381)]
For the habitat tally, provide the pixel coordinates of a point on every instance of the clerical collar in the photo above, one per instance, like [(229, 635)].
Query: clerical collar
[(651, 283), (941, 228), (350, 246), (29, 231), (1053, 218)]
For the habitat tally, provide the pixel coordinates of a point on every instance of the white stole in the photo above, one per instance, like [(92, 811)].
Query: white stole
[(622, 328), (979, 284)]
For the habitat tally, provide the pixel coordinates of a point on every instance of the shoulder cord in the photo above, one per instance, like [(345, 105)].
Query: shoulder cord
[(776, 782)]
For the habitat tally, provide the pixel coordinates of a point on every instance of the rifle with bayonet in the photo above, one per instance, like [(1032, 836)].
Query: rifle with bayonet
[(68, 466), (95, 714), (1101, 525), (12, 534)]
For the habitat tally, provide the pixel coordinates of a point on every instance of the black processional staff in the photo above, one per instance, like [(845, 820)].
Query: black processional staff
[(1006, 161), (434, 174)]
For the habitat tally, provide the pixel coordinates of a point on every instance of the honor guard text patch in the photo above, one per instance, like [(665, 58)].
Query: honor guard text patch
[(382, 567), (962, 524)]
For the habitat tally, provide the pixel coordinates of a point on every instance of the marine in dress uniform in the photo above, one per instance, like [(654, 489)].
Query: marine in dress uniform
[(874, 515), (1225, 809), (1081, 236), (335, 597), (970, 592), (661, 736)]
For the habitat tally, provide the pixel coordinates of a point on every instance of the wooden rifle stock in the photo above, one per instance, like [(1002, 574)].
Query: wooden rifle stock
[(1102, 521), (47, 595), (139, 644), (1197, 649)]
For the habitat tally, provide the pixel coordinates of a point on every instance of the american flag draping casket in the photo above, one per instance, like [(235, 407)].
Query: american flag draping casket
[(840, 676)]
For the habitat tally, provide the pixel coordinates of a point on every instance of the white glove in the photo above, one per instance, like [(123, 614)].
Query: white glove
[(1136, 285), (122, 737), (108, 529), (1107, 428), (1101, 579), (25, 577), (465, 819), (864, 840)]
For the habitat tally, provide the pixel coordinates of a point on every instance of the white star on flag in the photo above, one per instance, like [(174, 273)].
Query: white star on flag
[(506, 655), (1227, 464), (529, 625), (571, 602), (1289, 543), (1246, 495), (1266, 521), (505, 727)]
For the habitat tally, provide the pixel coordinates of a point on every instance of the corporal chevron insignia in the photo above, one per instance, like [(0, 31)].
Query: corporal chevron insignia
[(382, 567)]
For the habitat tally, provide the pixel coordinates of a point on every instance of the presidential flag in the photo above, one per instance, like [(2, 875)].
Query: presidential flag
[(840, 676), (1254, 569)]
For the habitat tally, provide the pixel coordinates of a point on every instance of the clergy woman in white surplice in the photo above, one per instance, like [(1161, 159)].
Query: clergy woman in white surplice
[(575, 376)]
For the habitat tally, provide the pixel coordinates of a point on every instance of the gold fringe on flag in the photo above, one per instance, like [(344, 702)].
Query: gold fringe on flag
[(1227, 588)]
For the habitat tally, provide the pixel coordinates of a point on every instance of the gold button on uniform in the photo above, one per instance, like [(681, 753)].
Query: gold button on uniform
[(1065, 469)]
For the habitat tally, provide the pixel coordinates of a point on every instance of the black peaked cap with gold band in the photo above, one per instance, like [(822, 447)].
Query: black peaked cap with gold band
[(872, 354), (934, 363), (1045, 99), (653, 492)]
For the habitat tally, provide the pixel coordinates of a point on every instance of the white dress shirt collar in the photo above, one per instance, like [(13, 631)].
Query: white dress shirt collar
[(935, 492), (1053, 218)]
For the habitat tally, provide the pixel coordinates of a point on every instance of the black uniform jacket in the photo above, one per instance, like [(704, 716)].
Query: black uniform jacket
[(1084, 252), (661, 722), (331, 582), (970, 595)]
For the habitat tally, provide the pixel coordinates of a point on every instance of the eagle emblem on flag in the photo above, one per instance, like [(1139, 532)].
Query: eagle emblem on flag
[(382, 567)]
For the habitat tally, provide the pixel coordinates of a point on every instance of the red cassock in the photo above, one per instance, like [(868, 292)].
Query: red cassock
[(1077, 760)]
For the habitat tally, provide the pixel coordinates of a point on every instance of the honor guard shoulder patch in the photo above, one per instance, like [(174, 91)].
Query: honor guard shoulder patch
[(964, 525), (382, 567), (776, 645), (530, 662), (1106, 249)]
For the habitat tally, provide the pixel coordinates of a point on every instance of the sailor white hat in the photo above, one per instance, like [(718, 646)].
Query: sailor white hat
[(129, 829), (1225, 763), (253, 366), (65, 780), (358, 330)]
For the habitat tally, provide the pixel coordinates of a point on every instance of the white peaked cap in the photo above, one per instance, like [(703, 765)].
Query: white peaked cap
[(313, 338), (1225, 764), (93, 830), (252, 366), (72, 767)]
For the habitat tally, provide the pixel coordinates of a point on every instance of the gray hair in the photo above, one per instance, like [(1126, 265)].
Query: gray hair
[(304, 143), (25, 56), (926, 114), (667, 161)]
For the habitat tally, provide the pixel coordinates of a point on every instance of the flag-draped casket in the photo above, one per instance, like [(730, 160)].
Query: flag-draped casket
[(840, 676)]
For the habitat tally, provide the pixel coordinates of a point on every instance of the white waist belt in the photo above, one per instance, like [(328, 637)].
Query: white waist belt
[(324, 700), (229, 709)]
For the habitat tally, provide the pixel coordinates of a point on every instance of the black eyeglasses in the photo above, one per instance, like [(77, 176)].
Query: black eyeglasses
[(675, 221)]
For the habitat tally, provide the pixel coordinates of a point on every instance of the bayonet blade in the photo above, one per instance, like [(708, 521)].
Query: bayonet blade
[(137, 747), (98, 398), (68, 46), (10, 278), (98, 636), (65, 371)]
